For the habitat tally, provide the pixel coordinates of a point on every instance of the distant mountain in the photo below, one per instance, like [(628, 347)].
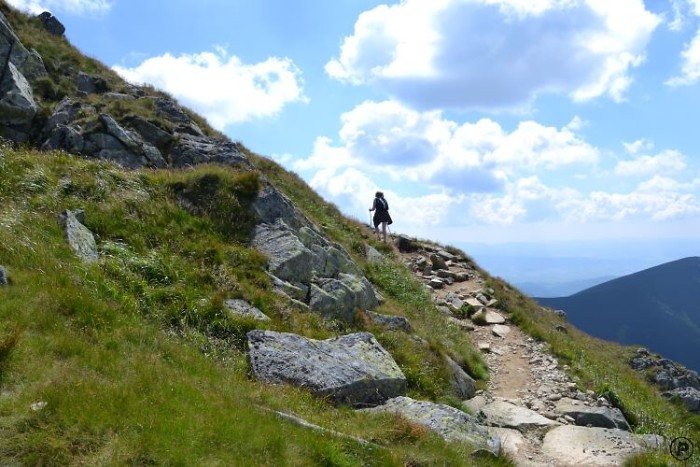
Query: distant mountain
[(559, 289), (658, 308)]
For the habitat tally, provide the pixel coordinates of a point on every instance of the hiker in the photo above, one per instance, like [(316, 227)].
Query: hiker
[(381, 214)]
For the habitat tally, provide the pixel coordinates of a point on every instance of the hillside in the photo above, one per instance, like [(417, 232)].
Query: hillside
[(170, 297), (656, 308)]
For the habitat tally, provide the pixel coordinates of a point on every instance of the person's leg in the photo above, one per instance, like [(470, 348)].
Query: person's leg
[(384, 231)]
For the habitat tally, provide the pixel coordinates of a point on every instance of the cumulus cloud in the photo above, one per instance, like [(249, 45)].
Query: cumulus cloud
[(666, 162), (65, 6), (496, 53), (404, 144), (221, 87)]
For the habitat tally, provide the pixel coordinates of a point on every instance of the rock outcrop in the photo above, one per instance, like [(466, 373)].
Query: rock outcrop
[(307, 266), (352, 369), (676, 380)]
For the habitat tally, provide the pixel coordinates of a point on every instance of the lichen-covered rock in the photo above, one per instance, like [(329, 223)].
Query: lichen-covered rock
[(450, 423), (331, 281), (78, 236), (339, 298), (352, 369)]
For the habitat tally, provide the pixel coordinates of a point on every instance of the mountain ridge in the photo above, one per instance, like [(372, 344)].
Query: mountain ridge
[(656, 308)]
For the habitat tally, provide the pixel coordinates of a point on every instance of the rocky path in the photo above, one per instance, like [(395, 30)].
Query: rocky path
[(541, 416)]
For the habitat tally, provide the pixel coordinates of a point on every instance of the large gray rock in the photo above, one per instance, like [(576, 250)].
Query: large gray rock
[(352, 369), (28, 62), (393, 323), (601, 417), (450, 423), (17, 105), (339, 298), (189, 150), (78, 236), (506, 415), (51, 23), (288, 258), (689, 396), (308, 262), (3, 276), (577, 446), (463, 385)]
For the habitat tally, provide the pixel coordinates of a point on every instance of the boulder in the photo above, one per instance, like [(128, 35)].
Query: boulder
[(288, 258), (503, 414), (406, 245), (17, 105), (189, 150), (28, 62), (91, 84), (393, 323), (339, 298), (150, 132), (3, 276), (600, 417), (78, 236), (51, 24), (576, 446), (450, 423), (243, 309), (352, 369), (689, 396), (438, 262), (373, 255), (463, 385)]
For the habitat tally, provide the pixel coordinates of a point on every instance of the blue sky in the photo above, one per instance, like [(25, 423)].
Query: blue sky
[(483, 121)]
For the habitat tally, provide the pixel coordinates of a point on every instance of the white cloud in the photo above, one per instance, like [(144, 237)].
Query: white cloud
[(496, 53), (221, 87), (666, 162), (690, 64), (406, 145), (64, 6)]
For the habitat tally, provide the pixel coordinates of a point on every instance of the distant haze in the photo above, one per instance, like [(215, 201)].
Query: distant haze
[(566, 267)]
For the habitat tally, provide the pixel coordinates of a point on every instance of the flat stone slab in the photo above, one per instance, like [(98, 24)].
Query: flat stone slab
[(506, 415), (489, 317), (577, 446), (450, 423), (241, 308), (500, 330), (600, 417), (352, 369), (511, 440)]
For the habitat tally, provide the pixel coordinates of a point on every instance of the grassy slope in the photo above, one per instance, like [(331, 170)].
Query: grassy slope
[(136, 359)]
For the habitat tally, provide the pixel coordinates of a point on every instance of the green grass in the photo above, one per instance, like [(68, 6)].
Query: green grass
[(134, 356)]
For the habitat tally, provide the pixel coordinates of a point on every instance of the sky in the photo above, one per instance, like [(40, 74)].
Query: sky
[(484, 122)]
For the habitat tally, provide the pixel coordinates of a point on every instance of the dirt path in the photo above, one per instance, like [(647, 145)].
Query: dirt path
[(521, 370)]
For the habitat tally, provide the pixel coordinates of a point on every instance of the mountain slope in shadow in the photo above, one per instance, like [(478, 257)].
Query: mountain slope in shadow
[(658, 308)]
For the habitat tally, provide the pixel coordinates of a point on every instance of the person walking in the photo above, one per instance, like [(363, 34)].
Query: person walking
[(381, 214)]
